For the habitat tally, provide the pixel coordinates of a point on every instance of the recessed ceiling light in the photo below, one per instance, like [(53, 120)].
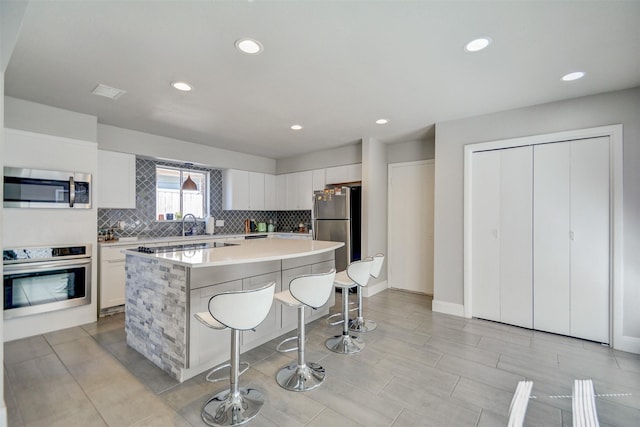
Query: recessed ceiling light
[(296, 127), (477, 44), (382, 121), (183, 86), (108, 91), (250, 46), (573, 76)]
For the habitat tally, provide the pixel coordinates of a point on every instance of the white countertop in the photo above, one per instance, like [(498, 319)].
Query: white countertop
[(244, 251), (128, 241)]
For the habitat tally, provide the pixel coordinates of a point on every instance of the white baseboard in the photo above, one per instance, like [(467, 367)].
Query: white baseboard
[(3, 414), (628, 344), (448, 308), (371, 290)]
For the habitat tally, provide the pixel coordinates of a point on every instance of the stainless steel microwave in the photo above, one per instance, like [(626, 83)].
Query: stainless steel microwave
[(37, 188)]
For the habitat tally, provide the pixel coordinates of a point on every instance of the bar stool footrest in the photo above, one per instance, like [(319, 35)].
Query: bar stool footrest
[(286, 340), (226, 377), (338, 322)]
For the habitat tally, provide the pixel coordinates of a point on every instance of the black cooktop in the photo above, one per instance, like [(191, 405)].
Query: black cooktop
[(182, 247)]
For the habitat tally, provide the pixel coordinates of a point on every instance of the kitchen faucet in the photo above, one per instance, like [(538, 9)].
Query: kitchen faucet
[(194, 223)]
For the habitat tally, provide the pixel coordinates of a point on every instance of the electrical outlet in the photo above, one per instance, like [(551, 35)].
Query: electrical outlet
[(219, 222), (121, 225)]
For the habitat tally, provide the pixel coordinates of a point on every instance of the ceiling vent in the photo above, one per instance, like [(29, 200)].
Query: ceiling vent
[(108, 92)]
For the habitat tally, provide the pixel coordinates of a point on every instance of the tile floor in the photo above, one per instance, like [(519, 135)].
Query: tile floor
[(418, 368)]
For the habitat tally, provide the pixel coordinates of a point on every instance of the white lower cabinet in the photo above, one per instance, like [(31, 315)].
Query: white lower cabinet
[(112, 276)]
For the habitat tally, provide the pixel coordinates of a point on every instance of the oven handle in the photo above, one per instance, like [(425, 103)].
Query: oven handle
[(72, 192), (42, 266)]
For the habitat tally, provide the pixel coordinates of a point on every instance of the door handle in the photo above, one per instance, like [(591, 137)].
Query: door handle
[(72, 192)]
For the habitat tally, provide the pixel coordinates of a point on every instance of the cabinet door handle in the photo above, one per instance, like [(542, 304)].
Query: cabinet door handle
[(571, 235)]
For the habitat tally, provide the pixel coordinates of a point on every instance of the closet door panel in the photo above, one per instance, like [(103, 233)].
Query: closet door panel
[(516, 252), (551, 253), (485, 235), (590, 239)]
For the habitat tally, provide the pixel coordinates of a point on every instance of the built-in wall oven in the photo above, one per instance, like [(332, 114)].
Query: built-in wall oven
[(42, 279), (38, 188)]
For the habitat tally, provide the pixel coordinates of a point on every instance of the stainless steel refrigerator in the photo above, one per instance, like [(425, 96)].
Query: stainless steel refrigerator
[(336, 218)]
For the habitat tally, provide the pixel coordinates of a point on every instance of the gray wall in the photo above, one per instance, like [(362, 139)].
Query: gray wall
[(11, 14), (591, 111), (411, 151), (374, 201), (160, 147), (39, 118), (346, 155)]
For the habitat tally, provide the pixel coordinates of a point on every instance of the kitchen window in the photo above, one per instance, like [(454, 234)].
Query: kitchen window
[(172, 201)]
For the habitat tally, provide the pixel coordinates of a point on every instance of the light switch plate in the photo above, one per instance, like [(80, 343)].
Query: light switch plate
[(219, 222)]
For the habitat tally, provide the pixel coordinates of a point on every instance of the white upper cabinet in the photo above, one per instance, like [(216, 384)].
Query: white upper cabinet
[(270, 192), (281, 192), (235, 190), (116, 180), (248, 191), (305, 190), (318, 179), (291, 192), (256, 191), (344, 174)]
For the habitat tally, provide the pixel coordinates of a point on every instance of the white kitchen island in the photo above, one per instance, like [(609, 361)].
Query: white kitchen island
[(164, 290)]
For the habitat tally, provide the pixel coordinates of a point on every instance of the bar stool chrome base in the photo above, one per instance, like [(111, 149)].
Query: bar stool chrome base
[(361, 325), (294, 377), (345, 344), (224, 409)]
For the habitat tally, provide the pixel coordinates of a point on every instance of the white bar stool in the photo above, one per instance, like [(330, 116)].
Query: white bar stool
[(312, 291), (238, 311), (359, 324), (358, 273)]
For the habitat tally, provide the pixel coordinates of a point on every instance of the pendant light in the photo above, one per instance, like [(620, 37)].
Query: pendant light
[(189, 184)]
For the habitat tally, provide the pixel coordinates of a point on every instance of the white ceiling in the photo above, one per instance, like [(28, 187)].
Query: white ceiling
[(332, 66)]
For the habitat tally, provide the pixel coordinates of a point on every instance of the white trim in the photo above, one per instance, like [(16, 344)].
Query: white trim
[(447, 308), (615, 133), (3, 414), (371, 290), (626, 343)]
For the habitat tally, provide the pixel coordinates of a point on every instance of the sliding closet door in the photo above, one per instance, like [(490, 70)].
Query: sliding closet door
[(485, 258), (551, 254), (590, 239), (516, 270)]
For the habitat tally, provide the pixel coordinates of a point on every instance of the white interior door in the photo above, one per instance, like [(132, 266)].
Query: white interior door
[(485, 229), (551, 237), (516, 235), (410, 228), (590, 239)]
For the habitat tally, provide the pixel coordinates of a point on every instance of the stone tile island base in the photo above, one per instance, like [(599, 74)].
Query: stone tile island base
[(156, 312), (162, 295)]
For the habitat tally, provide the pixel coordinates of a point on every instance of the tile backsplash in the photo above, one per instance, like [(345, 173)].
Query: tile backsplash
[(142, 220)]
